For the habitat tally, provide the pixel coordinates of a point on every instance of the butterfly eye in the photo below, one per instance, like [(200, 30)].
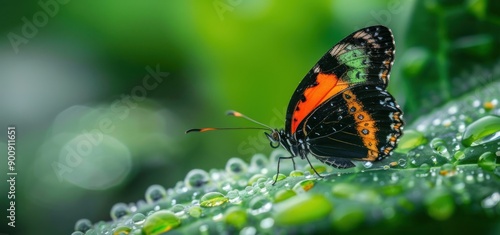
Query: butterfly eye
[(275, 139)]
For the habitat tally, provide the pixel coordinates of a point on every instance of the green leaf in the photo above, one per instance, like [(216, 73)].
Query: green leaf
[(452, 178)]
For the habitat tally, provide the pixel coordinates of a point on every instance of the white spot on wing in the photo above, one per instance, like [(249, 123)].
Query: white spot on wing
[(316, 69)]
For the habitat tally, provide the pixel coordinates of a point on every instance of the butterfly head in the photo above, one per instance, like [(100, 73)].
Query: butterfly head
[(275, 137)]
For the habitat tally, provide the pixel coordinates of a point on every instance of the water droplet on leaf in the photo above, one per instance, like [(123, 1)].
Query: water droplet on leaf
[(119, 210), (236, 166), (155, 193), (304, 186), (296, 173), (260, 205), (483, 130), (487, 161), (279, 177), (236, 217), (195, 211), (410, 140), (213, 199), (302, 209), (283, 194), (160, 222), (196, 178), (138, 218), (83, 225)]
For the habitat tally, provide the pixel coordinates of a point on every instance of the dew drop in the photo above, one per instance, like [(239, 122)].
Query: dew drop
[(259, 163), (138, 218), (402, 162), (320, 168), (436, 142), (77, 233), (345, 190), (215, 175), (487, 161), (119, 210), (218, 216), (423, 170), (491, 201), (283, 195), (434, 160), (261, 186), (476, 103), (436, 122), (203, 229), (448, 169), (452, 110), (179, 210), (304, 186), (226, 186), (302, 209), (196, 178), (195, 211), (367, 164), (461, 128), (469, 179), (194, 202), (83, 225), (459, 155), (249, 190), (160, 222), (480, 177), (267, 223), (279, 177), (213, 199), (255, 177), (122, 230), (236, 217), (234, 197), (483, 130), (236, 166), (421, 127), (296, 173), (248, 231), (91, 232), (260, 205), (155, 193)]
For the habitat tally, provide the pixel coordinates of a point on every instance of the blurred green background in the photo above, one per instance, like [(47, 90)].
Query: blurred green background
[(101, 92)]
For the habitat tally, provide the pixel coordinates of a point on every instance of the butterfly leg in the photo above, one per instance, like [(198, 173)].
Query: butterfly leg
[(313, 167), (278, 170)]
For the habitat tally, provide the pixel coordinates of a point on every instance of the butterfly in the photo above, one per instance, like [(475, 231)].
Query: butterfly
[(341, 111)]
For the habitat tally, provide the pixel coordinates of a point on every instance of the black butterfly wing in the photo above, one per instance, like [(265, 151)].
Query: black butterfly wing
[(363, 123), (354, 73)]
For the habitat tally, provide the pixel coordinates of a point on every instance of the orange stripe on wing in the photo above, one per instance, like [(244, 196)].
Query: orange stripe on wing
[(365, 125), (328, 85)]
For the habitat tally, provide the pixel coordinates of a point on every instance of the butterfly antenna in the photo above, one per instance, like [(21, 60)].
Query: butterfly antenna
[(234, 114), (238, 114), (224, 129)]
